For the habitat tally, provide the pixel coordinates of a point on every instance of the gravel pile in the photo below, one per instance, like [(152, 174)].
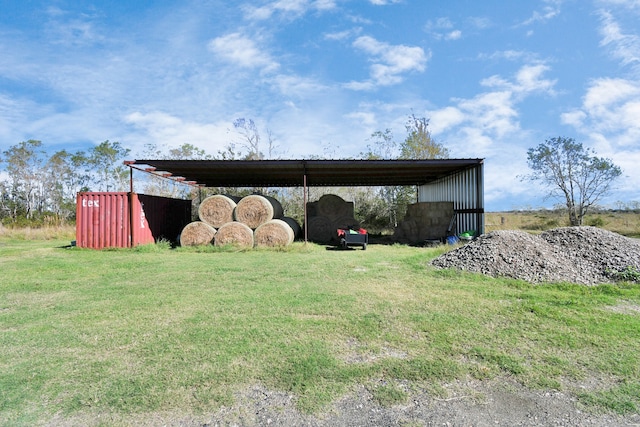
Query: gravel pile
[(583, 255)]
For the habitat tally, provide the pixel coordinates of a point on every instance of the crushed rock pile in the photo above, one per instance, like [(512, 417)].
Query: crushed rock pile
[(583, 255)]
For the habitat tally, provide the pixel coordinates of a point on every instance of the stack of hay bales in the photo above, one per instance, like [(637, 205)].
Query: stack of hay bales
[(326, 216), (254, 220), (424, 221)]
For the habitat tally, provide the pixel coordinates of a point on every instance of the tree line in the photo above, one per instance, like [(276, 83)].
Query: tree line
[(39, 187)]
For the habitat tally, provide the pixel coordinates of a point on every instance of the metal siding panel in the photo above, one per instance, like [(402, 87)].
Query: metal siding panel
[(102, 220), (465, 190)]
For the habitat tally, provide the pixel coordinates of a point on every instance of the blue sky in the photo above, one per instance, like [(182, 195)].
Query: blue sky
[(494, 77)]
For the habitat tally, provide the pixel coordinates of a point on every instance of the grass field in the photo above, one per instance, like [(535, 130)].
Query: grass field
[(159, 330), (626, 223)]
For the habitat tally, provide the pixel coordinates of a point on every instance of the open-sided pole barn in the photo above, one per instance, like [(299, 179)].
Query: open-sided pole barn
[(460, 181)]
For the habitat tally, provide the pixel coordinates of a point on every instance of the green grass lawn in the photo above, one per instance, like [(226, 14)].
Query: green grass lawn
[(154, 329)]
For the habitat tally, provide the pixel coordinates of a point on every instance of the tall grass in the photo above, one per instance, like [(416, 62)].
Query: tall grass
[(626, 223), (127, 332)]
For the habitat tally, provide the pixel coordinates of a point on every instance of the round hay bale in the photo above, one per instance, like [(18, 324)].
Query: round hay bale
[(312, 209), (333, 206), (216, 210), (234, 233), (320, 229), (255, 210), (278, 210), (197, 233), (273, 233), (295, 226)]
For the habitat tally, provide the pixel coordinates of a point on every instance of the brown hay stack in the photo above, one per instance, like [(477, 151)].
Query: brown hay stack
[(425, 221), (255, 210), (273, 233), (197, 233), (216, 210), (234, 233), (333, 207), (320, 229)]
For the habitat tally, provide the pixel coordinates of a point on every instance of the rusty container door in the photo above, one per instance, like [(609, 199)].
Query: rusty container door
[(110, 220), (102, 220), (141, 233)]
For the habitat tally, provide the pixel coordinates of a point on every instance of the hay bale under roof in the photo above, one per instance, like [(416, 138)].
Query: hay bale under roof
[(256, 209), (197, 233), (295, 226), (234, 233), (333, 206), (273, 233), (320, 229), (217, 210)]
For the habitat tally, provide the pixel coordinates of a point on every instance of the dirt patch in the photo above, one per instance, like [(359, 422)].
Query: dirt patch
[(472, 403), (625, 307)]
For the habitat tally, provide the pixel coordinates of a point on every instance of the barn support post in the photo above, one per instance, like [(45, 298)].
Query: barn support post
[(304, 201), (131, 219)]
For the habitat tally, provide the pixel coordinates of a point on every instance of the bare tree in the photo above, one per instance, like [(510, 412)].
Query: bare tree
[(250, 138)]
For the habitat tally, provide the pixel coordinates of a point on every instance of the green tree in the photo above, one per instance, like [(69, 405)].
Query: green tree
[(572, 173), (382, 146), (419, 144), (188, 152), (166, 187), (61, 184), (24, 188), (105, 161)]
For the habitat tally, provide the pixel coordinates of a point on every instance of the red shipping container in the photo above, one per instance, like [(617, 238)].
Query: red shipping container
[(111, 220)]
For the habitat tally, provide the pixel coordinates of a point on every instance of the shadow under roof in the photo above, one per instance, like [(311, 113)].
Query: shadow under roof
[(318, 173)]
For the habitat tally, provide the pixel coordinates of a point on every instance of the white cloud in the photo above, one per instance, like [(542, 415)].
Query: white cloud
[(479, 22), (453, 35), (289, 9), (445, 118), (66, 28), (390, 62), (610, 110), (173, 131), (243, 51), (625, 47), (442, 29), (298, 87), (486, 124), (574, 118), (548, 12), (608, 121), (383, 2), (528, 79), (343, 35), (631, 4)]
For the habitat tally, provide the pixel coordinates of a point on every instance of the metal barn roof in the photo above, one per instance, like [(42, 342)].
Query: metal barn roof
[(293, 173)]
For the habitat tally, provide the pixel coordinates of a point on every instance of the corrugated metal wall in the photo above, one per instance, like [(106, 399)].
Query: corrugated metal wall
[(466, 190), (105, 220)]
